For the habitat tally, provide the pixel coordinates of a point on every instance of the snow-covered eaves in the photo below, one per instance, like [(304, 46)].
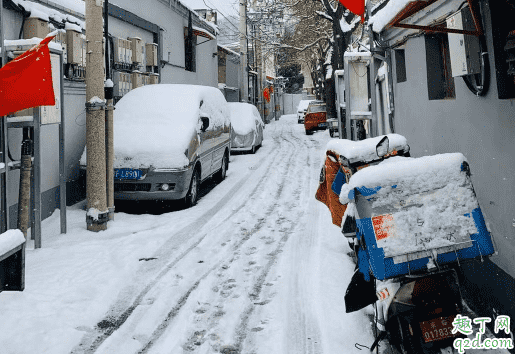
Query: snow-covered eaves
[(47, 13), (339, 72), (197, 31), (389, 12), (227, 50)]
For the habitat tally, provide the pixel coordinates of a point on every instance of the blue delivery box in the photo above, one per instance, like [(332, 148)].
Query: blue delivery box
[(414, 214)]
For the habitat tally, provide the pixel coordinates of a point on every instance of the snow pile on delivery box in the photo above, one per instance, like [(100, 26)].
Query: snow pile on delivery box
[(416, 204)]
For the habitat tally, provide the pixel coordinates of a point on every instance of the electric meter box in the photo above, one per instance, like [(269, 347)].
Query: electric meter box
[(61, 39), (151, 51), (153, 79), (118, 50), (464, 49), (35, 27), (74, 47), (137, 48), (128, 51), (137, 79)]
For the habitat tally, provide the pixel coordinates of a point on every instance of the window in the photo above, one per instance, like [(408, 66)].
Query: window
[(190, 62), (400, 65), (501, 10), (440, 83)]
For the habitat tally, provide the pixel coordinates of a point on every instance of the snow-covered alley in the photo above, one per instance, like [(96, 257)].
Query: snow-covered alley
[(255, 267)]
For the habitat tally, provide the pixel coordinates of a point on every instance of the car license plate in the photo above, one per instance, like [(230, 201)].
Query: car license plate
[(437, 329), (127, 173), (321, 125)]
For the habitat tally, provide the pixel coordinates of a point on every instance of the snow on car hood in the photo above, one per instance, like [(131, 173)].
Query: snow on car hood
[(153, 125), (243, 117)]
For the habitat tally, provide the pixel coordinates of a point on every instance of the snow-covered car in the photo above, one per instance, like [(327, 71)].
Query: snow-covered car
[(167, 140), (301, 110), (247, 127), (332, 124), (315, 118)]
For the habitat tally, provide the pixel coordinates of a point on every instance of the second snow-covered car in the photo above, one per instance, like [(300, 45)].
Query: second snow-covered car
[(301, 110), (168, 139), (247, 127)]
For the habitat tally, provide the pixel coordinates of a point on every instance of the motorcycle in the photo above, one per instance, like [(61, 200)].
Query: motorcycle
[(411, 223)]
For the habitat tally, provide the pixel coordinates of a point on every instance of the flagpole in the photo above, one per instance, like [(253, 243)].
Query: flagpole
[(3, 188)]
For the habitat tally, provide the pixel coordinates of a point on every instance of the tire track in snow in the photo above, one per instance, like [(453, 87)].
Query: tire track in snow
[(122, 309), (160, 330), (197, 336)]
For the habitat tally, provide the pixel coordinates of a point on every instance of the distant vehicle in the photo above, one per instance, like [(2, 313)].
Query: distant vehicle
[(315, 118), (168, 139), (247, 127), (301, 110), (332, 124)]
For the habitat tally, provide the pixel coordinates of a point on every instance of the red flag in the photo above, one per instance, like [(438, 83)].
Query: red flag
[(26, 81), (357, 7), (266, 93)]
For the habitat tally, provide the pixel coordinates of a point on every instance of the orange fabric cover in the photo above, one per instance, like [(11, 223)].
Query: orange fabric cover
[(326, 195)]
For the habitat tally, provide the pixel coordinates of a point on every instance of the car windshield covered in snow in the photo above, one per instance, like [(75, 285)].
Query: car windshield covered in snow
[(154, 124), (315, 107), (416, 204)]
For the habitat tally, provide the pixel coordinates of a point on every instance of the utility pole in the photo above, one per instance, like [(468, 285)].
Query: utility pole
[(97, 213), (244, 88)]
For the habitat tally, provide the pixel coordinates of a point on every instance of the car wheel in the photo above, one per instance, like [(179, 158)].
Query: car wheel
[(331, 133), (220, 176), (309, 132), (192, 195)]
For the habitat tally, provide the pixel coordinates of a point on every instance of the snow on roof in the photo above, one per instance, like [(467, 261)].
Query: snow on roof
[(73, 27), (243, 117), (365, 150), (46, 13), (203, 31), (34, 13), (154, 124), (386, 14), (339, 72), (228, 50), (10, 240)]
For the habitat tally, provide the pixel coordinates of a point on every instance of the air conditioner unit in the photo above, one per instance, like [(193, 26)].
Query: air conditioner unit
[(151, 51), (464, 49)]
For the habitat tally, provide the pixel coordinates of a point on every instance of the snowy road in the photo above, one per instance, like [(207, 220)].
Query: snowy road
[(256, 267)]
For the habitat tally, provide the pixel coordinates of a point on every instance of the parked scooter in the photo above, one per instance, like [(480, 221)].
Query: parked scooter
[(411, 222)]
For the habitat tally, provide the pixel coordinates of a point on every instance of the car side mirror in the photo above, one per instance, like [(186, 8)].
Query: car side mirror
[(382, 147), (205, 123)]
